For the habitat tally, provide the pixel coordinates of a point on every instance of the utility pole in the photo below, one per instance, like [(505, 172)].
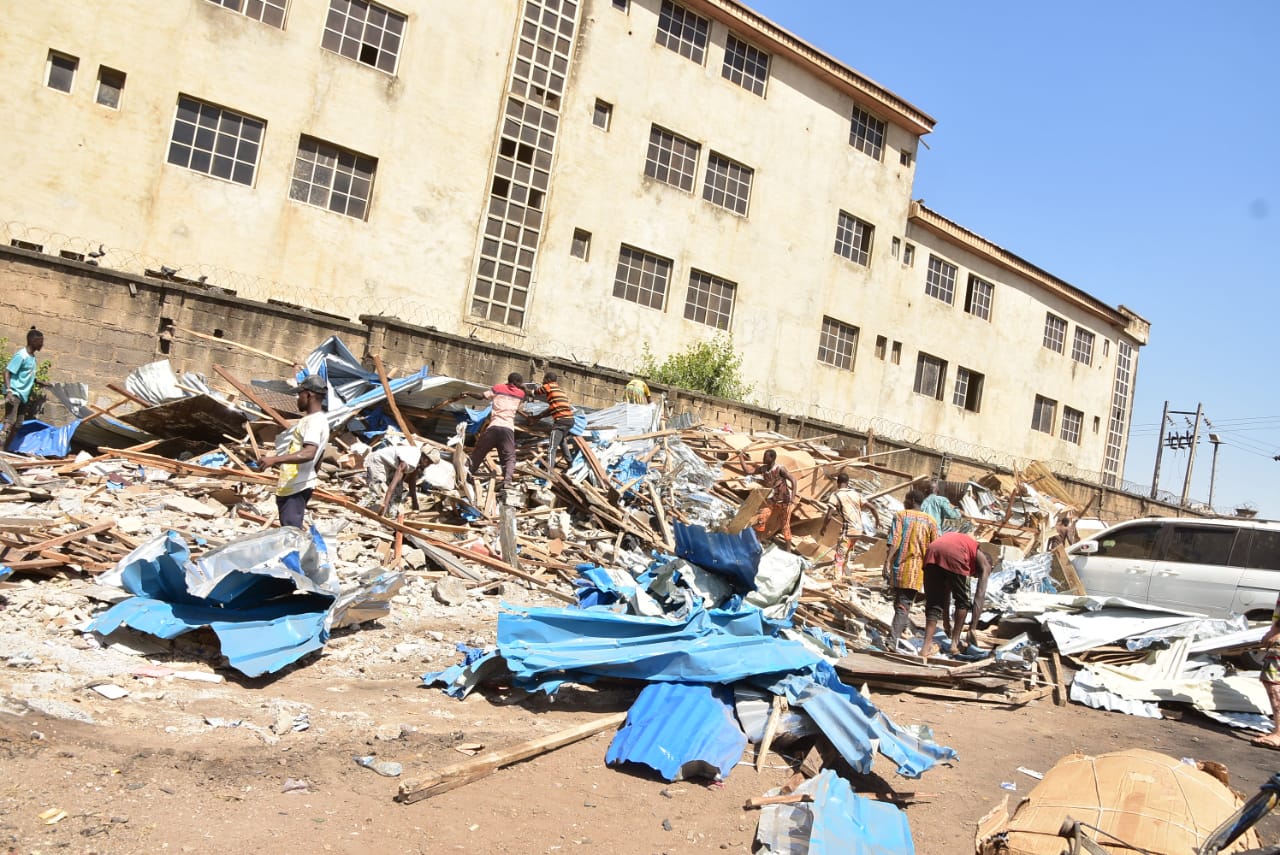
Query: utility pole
[(1155, 478), (1191, 456), (1213, 471)]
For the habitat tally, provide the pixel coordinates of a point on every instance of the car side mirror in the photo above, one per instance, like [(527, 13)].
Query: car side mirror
[(1084, 547)]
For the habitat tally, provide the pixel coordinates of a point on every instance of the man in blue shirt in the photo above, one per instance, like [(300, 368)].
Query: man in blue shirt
[(19, 380)]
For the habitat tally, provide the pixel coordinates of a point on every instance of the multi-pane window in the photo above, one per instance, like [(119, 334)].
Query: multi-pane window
[(110, 87), (1055, 332), (866, 133), (745, 65), (968, 389), (1118, 421), (682, 31), (1072, 422), (215, 141), (543, 50), (728, 183), (642, 277), (61, 71), (1082, 346), (369, 34), (837, 343), (709, 300), (1043, 414), (602, 115), (270, 12), (671, 159), (931, 376), (977, 300), (940, 280), (853, 238), (330, 177)]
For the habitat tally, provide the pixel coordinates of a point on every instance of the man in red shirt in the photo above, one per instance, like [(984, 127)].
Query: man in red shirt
[(950, 561), (500, 433)]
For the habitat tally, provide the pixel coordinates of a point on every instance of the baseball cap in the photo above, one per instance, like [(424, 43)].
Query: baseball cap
[(314, 383)]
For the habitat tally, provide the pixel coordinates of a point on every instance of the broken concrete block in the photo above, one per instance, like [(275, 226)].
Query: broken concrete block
[(451, 592), (414, 558)]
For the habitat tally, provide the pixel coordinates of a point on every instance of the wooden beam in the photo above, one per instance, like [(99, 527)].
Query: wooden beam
[(248, 392), (120, 390), (462, 774), (391, 399), (231, 343)]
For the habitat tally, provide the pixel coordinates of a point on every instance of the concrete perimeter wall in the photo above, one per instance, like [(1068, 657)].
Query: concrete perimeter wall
[(100, 324)]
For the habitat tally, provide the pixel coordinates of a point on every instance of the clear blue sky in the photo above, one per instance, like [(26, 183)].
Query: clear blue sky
[(1129, 148)]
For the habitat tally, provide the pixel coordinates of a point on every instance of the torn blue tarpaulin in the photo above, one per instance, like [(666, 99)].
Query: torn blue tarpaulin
[(266, 596), (5, 572), (734, 556), (475, 667), (680, 730), (708, 647), (836, 822), (853, 723), (43, 440)]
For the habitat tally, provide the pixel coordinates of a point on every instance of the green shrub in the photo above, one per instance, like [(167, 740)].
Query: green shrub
[(710, 366)]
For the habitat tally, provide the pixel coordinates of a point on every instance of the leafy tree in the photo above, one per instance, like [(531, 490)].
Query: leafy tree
[(710, 366)]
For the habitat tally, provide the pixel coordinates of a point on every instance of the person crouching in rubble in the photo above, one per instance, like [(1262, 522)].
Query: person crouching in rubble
[(500, 433), (392, 469), (949, 563), (910, 534), (298, 452), (776, 513), (1270, 677), (19, 382)]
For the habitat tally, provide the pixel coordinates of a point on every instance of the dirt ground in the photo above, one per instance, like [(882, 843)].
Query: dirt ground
[(183, 766)]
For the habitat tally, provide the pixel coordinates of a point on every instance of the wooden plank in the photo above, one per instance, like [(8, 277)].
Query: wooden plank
[(1055, 672), (776, 708), (1065, 572), (120, 390), (70, 537), (789, 799), (248, 392), (461, 774), (228, 342), (391, 399)]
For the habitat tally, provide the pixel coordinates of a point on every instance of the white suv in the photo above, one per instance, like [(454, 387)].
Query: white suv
[(1214, 567)]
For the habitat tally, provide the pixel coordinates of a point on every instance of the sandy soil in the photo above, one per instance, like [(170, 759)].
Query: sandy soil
[(194, 767)]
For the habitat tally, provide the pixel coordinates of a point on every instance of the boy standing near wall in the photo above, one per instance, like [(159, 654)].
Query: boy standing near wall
[(19, 380), (298, 451)]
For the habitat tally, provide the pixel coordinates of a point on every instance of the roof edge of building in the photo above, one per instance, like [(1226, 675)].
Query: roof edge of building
[(844, 76), (1133, 324)]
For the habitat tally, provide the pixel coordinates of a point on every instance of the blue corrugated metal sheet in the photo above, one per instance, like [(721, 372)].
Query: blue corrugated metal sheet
[(681, 731), (837, 822), (735, 556)]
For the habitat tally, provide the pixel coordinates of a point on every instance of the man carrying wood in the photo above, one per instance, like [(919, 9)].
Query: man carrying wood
[(845, 505), (776, 513), (949, 563), (298, 452)]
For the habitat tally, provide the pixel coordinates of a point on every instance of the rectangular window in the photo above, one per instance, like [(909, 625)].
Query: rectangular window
[(61, 71), (1082, 346), (621, 5), (908, 255), (110, 87), (882, 344), (837, 343), (745, 65), (904, 157), (1097, 423), (709, 300), (1072, 422), (1055, 332), (682, 31), (968, 391), (853, 238), (335, 178), (369, 34), (581, 246), (895, 353), (1044, 414), (543, 49), (672, 159), (728, 183), (940, 280), (895, 247), (215, 141), (931, 376), (642, 277), (602, 116), (1106, 347), (866, 133), (977, 299), (270, 12)]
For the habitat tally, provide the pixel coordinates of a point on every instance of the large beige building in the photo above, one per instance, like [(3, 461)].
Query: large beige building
[(576, 178)]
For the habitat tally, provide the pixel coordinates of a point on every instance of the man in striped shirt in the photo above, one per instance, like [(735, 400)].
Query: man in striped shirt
[(561, 413)]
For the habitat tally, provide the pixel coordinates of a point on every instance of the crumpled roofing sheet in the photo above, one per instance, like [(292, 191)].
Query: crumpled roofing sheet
[(837, 822), (734, 556), (680, 730)]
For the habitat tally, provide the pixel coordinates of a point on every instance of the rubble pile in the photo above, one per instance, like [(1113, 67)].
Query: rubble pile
[(148, 524)]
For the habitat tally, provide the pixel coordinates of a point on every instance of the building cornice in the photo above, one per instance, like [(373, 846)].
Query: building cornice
[(1126, 320), (862, 89)]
